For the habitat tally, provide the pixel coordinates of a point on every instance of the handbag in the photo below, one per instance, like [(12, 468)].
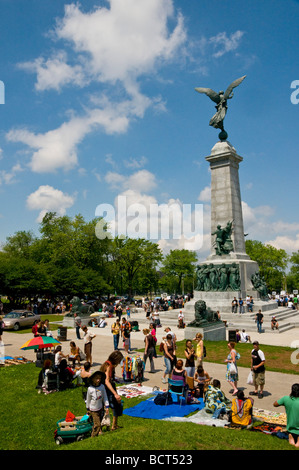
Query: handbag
[(106, 420), (232, 368), (82, 355), (250, 378)]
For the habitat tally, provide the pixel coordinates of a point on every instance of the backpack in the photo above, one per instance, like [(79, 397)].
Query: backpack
[(161, 399)]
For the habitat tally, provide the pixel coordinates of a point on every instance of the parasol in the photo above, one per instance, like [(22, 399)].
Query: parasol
[(40, 342)]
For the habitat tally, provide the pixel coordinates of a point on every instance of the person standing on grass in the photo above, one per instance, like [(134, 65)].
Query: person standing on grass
[(108, 367), (291, 404), (258, 368), (190, 358), (96, 399), (169, 357), (199, 349)]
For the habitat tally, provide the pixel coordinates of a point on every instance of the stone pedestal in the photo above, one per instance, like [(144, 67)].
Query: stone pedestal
[(211, 332), (225, 194)]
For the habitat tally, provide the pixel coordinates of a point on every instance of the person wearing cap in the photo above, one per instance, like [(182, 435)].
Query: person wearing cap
[(96, 400), (258, 369), (274, 323)]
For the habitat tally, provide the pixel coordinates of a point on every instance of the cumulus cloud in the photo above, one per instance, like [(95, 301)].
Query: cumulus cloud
[(48, 199), (58, 148), (205, 194), (142, 180), (287, 243), (123, 41), (55, 72)]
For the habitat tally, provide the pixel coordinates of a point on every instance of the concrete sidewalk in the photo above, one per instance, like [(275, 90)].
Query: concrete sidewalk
[(277, 384)]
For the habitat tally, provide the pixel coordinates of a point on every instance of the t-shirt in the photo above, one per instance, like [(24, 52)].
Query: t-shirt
[(259, 317), (257, 358), (291, 405)]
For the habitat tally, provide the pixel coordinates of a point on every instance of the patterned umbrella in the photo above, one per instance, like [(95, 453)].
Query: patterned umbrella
[(40, 342)]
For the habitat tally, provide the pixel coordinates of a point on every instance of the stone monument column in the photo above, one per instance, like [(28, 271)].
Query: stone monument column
[(226, 196)]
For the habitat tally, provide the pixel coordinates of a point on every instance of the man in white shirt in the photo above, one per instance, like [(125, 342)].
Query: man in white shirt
[(244, 338)]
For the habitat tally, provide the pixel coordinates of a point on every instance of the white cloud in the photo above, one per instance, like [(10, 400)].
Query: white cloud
[(124, 41), (205, 194), (142, 180), (287, 243), (225, 43), (54, 73), (8, 177), (114, 46), (57, 148), (48, 199), (134, 163)]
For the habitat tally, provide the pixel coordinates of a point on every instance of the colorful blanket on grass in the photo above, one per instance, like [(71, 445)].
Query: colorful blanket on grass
[(149, 410)]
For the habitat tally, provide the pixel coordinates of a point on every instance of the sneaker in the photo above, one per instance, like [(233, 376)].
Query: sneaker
[(164, 381)]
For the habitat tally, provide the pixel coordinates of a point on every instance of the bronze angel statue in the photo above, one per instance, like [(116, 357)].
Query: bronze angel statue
[(221, 104)]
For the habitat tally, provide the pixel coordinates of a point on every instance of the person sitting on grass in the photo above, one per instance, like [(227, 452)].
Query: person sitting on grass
[(241, 412), (74, 353), (202, 380), (291, 404), (215, 400)]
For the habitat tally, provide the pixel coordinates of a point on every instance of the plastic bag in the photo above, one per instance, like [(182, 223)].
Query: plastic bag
[(232, 368), (250, 378), (106, 421)]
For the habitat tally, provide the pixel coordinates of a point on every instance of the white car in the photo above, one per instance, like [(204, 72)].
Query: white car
[(20, 318)]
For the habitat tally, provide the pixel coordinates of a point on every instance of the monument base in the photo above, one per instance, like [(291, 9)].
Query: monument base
[(222, 302), (210, 332)]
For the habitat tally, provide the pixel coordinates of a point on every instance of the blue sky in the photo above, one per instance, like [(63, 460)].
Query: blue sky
[(100, 102)]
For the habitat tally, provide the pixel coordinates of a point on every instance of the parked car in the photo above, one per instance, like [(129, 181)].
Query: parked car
[(20, 318)]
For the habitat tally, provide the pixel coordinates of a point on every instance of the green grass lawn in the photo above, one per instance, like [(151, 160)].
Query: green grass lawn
[(278, 357), (28, 422)]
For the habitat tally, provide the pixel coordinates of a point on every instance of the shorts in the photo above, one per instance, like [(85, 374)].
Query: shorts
[(295, 437), (258, 378)]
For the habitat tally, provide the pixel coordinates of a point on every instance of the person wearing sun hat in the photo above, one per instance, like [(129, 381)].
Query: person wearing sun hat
[(96, 400)]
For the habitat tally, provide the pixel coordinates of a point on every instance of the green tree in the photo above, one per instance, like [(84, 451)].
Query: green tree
[(272, 262), (131, 256), (293, 275), (179, 265)]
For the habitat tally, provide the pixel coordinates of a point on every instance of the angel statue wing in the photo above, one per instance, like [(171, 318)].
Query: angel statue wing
[(233, 85), (210, 93)]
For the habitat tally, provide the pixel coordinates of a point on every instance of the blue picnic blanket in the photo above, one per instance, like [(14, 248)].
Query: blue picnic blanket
[(148, 409)]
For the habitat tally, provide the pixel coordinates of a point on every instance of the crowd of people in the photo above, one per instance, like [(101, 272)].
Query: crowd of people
[(100, 391)]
